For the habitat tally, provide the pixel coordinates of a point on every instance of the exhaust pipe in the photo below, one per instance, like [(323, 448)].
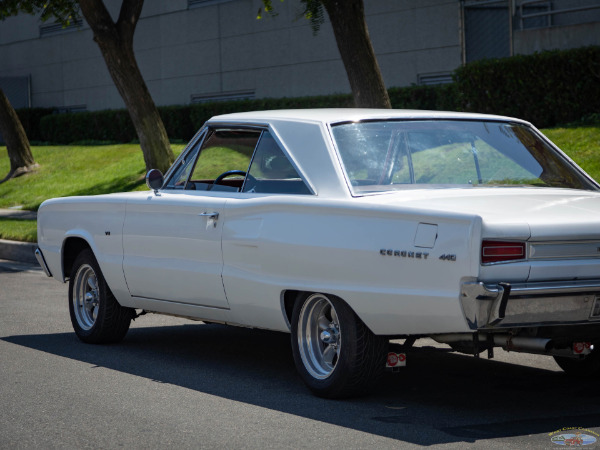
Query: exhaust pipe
[(508, 342), (522, 344)]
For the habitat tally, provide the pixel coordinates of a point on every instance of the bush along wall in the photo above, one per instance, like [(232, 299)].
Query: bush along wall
[(30, 119), (435, 98), (104, 126), (548, 88), (181, 122)]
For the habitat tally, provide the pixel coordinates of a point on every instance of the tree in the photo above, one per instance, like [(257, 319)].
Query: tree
[(115, 40), (347, 19), (17, 144)]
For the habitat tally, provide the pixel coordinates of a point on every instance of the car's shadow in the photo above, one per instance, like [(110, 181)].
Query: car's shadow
[(438, 398)]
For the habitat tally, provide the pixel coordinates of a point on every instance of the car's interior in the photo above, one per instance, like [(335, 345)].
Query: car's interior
[(237, 160)]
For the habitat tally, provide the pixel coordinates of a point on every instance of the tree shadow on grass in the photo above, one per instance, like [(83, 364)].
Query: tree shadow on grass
[(439, 398), (123, 184)]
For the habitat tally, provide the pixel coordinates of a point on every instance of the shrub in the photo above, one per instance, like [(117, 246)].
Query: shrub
[(30, 119), (545, 88), (108, 125), (177, 121), (441, 97)]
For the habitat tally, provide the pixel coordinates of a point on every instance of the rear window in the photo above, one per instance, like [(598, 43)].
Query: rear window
[(391, 155)]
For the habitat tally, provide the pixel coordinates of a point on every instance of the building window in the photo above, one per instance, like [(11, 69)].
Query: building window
[(427, 79)]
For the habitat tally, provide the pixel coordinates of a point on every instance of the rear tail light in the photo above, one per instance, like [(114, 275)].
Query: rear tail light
[(501, 251)]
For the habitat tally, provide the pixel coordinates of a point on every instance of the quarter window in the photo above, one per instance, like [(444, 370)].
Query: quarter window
[(272, 172), (184, 168)]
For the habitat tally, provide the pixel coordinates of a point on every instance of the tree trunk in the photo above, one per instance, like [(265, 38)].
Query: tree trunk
[(352, 36), (116, 44), (17, 144)]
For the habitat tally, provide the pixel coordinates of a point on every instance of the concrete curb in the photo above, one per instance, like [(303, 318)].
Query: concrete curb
[(18, 251)]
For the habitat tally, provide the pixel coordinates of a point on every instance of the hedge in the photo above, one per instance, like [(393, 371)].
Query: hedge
[(100, 126), (548, 88), (181, 122), (436, 98), (30, 119)]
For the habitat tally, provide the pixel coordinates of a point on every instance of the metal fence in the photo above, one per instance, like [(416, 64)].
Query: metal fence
[(544, 13)]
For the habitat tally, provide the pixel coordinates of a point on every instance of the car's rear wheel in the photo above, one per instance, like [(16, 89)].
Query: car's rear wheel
[(335, 353), (96, 315), (588, 366)]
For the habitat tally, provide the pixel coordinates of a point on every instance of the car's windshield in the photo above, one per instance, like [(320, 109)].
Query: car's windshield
[(389, 155)]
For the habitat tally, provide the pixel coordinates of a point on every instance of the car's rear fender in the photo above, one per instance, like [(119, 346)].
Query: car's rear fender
[(362, 254)]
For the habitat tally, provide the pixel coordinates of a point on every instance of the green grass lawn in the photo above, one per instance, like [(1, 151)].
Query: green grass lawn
[(18, 229), (75, 170), (82, 170), (582, 144)]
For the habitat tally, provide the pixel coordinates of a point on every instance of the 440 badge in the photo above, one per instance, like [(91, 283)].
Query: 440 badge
[(574, 437)]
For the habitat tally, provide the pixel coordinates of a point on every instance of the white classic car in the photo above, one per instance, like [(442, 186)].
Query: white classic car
[(347, 228)]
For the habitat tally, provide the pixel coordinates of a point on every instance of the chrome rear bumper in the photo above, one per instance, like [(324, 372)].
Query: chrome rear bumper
[(42, 261), (504, 305)]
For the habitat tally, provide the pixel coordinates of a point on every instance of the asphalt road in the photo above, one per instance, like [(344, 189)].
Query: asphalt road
[(176, 383)]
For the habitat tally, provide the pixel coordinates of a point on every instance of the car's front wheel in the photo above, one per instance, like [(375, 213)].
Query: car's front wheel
[(335, 353), (96, 315)]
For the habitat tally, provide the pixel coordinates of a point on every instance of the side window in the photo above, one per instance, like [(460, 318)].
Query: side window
[(222, 150), (271, 172), (225, 150)]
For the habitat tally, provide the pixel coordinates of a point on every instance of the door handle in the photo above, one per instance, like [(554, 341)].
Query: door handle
[(210, 215)]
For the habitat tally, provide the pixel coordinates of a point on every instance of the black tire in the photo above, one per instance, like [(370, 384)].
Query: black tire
[(96, 315), (339, 360), (586, 367)]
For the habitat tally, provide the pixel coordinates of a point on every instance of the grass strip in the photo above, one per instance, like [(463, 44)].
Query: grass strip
[(18, 229)]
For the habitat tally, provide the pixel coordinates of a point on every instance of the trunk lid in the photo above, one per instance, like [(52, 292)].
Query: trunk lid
[(561, 227)]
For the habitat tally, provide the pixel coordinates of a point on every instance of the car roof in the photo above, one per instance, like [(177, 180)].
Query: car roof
[(335, 115)]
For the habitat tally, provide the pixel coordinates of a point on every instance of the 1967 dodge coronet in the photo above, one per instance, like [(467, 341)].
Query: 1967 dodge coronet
[(347, 228)]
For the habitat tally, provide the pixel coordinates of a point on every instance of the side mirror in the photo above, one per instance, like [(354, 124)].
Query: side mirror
[(155, 180)]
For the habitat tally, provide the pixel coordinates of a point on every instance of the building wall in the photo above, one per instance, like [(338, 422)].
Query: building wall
[(221, 48)]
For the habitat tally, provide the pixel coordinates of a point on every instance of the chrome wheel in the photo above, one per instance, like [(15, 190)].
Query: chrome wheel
[(319, 336), (85, 297), (96, 315)]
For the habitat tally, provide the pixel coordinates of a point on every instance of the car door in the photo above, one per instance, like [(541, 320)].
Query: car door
[(172, 248), (172, 238)]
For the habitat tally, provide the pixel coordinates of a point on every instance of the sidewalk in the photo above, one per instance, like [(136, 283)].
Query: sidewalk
[(18, 251), (18, 214)]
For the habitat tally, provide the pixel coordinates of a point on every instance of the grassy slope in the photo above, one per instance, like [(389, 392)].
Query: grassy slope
[(582, 144), (82, 170), (75, 170)]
